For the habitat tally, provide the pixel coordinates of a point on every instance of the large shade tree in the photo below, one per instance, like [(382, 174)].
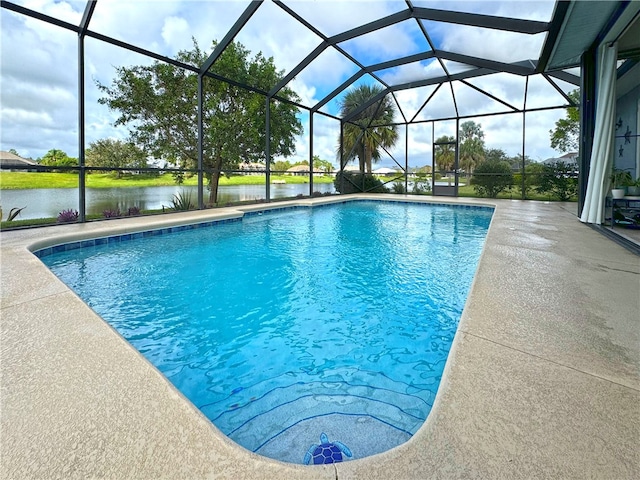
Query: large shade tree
[(369, 131), (564, 137), (113, 153), (159, 104)]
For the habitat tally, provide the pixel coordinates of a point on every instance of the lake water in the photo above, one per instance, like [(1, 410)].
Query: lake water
[(49, 202)]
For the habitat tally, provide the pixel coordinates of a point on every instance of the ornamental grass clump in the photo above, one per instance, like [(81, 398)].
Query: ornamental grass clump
[(111, 213), (181, 201), (68, 216)]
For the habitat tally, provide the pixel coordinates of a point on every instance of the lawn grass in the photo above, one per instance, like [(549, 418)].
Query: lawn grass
[(511, 194), (31, 222), (260, 179), (34, 180)]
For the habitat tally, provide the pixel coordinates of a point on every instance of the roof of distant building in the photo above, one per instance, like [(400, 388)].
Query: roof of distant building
[(384, 171), (302, 168), (570, 158), (11, 160)]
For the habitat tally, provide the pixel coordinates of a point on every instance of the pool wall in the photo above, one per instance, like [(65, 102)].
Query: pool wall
[(542, 379)]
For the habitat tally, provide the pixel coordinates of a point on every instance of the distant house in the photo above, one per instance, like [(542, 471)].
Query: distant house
[(384, 171), (11, 161), (303, 170), (251, 168), (570, 158)]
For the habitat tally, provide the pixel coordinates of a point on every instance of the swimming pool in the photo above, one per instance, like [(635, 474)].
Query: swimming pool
[(287, 325)]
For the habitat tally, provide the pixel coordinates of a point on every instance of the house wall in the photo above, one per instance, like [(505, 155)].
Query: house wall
[(626, 144)]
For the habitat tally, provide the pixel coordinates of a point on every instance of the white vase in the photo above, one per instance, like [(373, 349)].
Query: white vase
[(618, 192)]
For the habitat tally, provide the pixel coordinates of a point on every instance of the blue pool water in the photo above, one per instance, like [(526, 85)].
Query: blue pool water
[(281, 327)]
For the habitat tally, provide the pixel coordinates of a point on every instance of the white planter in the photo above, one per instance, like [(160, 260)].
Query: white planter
[(618, 192)]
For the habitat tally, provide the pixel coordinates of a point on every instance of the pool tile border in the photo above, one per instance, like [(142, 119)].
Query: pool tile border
[(112, 239), (341, 202), (66, 247)]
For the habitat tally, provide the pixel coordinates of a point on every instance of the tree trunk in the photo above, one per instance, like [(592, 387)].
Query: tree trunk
[(215, 179), (368, 155)]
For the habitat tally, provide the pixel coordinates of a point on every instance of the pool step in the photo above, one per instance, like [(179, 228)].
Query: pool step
[(341, 379), (257, 430), (253, 415), (364, 436)]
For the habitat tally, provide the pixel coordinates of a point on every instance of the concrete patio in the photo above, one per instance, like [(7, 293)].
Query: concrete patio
[(543, 380)]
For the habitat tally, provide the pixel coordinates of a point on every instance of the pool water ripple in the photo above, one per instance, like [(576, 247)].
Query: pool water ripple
[(281, 327)]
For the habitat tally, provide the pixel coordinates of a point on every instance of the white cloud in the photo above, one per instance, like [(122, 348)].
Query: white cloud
[(391, 42), (27, 118), (412, 99), (529, 10), (335, 16), (481, 42), (326, 132), (537, 140), (39, 79), (412, 72), (328, 70), (139, 23), (507, 87), (69, 11), (38, 86), (473, 102), (420, 142), (175, 32), (307, 93)]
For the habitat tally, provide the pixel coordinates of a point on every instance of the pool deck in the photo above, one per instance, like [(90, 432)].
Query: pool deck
[(543, 380)]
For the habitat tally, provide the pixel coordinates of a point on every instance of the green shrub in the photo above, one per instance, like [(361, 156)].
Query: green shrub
[(356, 182), (532, 175), (559, 180), (492, 177), (398, 187), (421, 185)]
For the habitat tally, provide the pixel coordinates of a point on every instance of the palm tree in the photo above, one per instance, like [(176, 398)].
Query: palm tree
[(369, 131), (444, 154), (53, 157), (471, 146), (471, 154)]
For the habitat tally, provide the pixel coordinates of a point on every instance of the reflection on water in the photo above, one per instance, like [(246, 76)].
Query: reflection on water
[(49, 202)]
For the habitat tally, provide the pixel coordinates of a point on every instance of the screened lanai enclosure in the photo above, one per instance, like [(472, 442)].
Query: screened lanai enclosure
[(327, 97)]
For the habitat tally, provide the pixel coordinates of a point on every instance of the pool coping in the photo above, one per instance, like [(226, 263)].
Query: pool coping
[(469, 432), (52, 245)]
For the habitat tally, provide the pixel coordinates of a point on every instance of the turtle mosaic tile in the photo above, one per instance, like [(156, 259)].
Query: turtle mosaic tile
[(326, 452), (364, 435)]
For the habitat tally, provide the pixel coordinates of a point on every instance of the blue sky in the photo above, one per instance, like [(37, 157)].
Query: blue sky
[(39, 66)]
